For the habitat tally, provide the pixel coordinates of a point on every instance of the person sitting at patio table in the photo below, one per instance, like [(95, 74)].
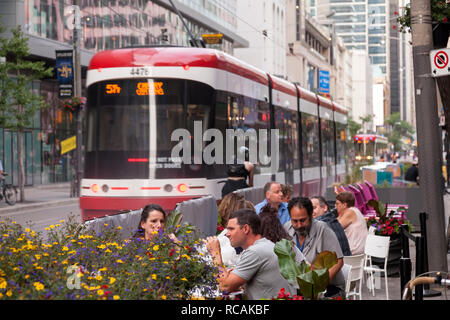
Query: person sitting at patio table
[(257, 269), (153, 218), (322, 213), (274, 197), (272, 230), (230, 203), (313, 237), (353, 222)]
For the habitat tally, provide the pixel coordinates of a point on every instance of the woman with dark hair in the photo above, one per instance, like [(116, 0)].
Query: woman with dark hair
[(272, 230), (153, 218)]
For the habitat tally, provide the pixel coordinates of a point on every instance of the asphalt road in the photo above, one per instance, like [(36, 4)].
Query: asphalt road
[(40, 218)]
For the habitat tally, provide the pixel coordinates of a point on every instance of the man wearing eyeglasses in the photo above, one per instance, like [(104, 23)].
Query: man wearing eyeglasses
[(312, 237)]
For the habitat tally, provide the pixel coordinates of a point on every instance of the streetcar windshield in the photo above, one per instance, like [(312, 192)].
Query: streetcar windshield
[(123, 115)]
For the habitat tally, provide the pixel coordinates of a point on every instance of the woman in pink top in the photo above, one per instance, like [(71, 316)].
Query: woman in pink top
[(352, 221)]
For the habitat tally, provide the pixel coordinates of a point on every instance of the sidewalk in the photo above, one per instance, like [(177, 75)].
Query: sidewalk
[(41, 196)]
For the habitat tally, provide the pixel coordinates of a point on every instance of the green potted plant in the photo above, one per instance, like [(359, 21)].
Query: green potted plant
[(387, 224), (312, 279)]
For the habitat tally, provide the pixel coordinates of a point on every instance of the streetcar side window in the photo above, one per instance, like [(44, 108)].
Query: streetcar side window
[(327, 134), (341, 145), (310, 140)]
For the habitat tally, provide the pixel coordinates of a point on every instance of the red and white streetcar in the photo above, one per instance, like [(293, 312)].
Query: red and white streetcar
[(137, 98)]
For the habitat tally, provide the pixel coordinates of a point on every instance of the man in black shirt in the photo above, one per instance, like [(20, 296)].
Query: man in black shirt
[(412, 174), (321, 213)]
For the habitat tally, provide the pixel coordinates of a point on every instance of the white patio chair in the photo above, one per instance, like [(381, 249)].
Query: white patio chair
[(354, 278), (376, 246)]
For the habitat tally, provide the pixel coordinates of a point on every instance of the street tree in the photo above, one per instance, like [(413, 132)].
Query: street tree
[(19, 103), (398, 130)]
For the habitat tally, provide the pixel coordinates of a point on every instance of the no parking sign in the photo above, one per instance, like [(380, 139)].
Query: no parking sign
[(439, 62)]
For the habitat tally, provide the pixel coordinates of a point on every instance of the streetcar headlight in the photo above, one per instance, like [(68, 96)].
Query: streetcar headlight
[(369, 157), (358, 158), (94, 188), (182, 187)]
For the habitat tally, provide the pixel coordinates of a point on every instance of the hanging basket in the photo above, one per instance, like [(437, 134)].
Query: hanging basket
[(72, 105)]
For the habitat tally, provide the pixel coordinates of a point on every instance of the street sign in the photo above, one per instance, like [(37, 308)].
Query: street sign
[(324, 81), (439, 62), (68, 144)]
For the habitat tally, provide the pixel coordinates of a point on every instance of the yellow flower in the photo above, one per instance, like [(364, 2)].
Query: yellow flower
[(61, 221), (184, 279), (163, 297), (3, 284), (101, 246), (9, 293), (39, 286), (116, 297), (52, 226), (27, 276), (155, 248), (119, 228), (100, 292), (65, 248), (105, 224), (103, 269), (168, 278), (112, 280), (99, 278), (154, 276), (119, 261), (27, 230), (1, 295), (37, 256)]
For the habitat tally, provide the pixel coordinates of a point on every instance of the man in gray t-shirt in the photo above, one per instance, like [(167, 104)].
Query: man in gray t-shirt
[(257, 268), (313, 237)]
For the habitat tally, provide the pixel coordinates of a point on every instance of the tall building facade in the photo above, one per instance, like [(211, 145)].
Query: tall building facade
[(362, 88), (314, 48), (263, 23), (106, 24)]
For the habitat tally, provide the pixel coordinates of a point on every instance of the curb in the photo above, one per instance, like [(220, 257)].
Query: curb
[(19, 208)]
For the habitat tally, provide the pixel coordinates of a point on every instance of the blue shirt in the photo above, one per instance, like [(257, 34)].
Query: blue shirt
[(283, 213)]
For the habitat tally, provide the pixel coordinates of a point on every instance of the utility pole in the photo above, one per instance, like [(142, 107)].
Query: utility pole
[(428, 138), (77, 91)]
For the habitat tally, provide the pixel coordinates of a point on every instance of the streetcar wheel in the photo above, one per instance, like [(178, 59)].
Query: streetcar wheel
[(10, 195)]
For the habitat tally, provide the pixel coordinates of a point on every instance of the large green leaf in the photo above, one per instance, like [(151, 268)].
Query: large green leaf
[(313, 282), (306, 284), (325, 259), (321, 279), (286, 260)]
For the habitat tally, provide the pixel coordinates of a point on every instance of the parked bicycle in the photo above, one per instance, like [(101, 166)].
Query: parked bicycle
[(440, 278), (9, 192)]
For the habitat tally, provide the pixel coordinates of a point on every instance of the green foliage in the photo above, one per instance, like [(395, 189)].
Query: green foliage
[(18, 102), (440, 12), (312, 280), (398, 131), (77, 263)]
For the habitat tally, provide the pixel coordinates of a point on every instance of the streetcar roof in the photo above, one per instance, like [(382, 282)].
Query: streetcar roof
[(176, 57)]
